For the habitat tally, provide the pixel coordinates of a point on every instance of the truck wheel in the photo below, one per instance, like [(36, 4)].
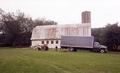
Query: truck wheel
[(102, 51)]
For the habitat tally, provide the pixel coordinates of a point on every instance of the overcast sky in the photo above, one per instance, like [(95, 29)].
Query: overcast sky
[(67, 11)]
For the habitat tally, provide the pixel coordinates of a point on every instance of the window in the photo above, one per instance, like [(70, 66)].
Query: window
[(42, 42), (47, 42), (56, 41), (52, 42)]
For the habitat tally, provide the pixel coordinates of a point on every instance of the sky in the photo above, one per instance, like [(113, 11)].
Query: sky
[(67, 11)]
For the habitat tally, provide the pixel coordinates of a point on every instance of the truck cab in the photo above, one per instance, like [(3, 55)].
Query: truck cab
[(97, 47)]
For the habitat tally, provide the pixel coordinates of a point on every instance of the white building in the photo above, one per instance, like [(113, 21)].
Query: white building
[(51, 34)]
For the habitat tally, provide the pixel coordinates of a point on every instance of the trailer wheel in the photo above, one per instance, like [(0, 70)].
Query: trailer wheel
[(75, 49), (71, 49), (102, 51)]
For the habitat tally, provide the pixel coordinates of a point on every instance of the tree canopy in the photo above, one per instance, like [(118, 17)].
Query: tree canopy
[(17, 27), (110, 36)]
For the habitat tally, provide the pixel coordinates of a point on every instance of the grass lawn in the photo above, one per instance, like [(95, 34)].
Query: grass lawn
[(31, 61)]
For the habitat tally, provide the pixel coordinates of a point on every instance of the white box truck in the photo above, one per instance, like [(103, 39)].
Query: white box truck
[(73, 43)]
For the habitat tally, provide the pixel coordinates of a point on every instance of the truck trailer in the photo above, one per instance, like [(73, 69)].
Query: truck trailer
[(73, 43)]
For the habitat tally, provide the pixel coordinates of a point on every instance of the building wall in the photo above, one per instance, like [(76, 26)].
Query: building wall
[(51, 43)]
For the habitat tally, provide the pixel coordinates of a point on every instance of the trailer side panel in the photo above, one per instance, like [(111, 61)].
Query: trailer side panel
[(77, 41)]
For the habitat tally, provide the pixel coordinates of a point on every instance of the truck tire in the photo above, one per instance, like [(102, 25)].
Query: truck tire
[(102, 51)]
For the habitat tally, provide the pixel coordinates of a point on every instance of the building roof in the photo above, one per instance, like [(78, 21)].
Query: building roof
[(55, 31)]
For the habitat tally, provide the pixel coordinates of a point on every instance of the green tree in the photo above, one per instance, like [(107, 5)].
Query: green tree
[(42, 22), (18, 28), (109, 36), (98, 34), (112, 36)]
